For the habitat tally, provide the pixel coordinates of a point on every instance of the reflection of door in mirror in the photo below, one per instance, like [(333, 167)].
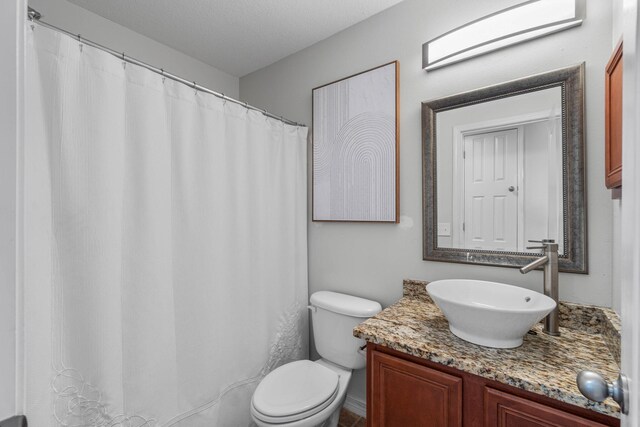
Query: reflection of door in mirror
[(512, 186), (490, 191), (504, 184)]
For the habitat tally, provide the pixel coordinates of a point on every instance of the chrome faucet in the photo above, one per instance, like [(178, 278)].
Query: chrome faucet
[(550, 263)]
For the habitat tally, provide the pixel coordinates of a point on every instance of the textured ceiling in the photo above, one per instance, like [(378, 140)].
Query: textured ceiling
[(237, 36)]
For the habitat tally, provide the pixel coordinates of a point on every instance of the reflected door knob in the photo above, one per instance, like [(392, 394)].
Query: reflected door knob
[(596, 388), (512, 188)]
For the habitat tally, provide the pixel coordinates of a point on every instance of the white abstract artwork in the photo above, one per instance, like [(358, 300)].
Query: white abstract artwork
[(355, 148)]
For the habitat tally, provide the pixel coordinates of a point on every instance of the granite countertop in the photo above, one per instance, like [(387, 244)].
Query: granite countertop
[(590, 339)]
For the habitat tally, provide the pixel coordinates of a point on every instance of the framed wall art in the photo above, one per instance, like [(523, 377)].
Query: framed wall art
[(356, 148)]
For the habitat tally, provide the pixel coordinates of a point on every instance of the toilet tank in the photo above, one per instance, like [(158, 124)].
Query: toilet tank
[(333, 316)]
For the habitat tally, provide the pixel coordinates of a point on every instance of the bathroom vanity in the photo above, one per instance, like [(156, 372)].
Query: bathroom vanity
[(419, 373)]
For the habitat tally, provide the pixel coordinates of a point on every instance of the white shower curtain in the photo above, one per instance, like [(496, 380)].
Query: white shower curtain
[(164, 245)]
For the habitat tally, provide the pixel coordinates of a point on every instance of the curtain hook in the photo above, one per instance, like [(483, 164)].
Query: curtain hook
[(246, 105), (80, 42), (266, 116), (124, 61), (195, 87), (224, 100), (162, 74)]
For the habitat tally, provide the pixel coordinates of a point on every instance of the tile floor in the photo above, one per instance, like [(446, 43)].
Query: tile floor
[(349, 419)]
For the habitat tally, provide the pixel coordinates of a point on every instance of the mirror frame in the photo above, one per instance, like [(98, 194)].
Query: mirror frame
[(571, 82)]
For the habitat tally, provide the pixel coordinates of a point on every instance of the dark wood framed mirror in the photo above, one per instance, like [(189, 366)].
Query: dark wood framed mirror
[(503, 165)]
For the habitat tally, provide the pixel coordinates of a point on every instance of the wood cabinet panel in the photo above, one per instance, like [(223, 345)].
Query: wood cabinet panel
[(407, 391), (505, 410), (613, 119), (407, 394)]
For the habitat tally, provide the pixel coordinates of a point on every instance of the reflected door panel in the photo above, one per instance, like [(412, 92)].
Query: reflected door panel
[(490, 208)]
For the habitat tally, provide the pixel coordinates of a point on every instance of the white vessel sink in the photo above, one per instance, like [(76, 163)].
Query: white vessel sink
[(488, 313)]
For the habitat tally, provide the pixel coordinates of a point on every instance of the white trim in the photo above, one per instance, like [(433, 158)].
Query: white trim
[(630, 213), (355, 405), (457, 191), (520, 242), (498, 124)]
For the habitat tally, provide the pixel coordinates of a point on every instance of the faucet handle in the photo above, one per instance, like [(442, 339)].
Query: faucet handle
[(536, 247), (545, 243)]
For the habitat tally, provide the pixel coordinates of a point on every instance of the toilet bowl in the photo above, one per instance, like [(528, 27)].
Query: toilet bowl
[(305, 393), (300, 394)]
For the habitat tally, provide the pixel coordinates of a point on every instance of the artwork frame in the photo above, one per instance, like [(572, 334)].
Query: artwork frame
[(356, 147)]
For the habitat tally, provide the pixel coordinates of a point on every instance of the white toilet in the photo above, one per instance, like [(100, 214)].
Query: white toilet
[(306, 393)]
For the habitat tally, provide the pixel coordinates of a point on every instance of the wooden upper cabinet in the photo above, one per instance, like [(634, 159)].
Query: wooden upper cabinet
[(405, 394), (505, 410), (613, 119)]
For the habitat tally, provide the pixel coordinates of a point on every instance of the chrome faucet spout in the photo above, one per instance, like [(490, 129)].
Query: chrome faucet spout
[(550, 263), (535, 264)]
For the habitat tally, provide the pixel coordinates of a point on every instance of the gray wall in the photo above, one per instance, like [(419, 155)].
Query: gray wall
[(11, 71), (370, 260), (73, 18)]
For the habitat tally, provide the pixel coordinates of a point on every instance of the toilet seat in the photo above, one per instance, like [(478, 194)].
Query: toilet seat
[(294, 391)]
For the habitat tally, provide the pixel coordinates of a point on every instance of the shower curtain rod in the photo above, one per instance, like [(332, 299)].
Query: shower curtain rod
[(34, 16)]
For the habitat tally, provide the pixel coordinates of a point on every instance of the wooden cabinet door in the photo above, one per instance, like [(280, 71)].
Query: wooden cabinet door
[(405, 394), (613, 120), (505, 410)]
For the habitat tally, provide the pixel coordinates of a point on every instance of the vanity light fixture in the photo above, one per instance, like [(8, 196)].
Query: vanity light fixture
[(516, 24)]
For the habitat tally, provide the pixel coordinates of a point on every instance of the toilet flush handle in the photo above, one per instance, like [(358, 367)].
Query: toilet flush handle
[(363, 350), (312, 308)]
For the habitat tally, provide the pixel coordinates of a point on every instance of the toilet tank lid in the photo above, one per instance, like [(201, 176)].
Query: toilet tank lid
[(345, 304)]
